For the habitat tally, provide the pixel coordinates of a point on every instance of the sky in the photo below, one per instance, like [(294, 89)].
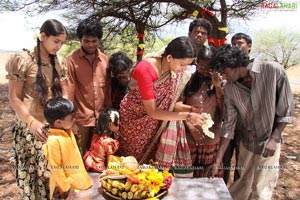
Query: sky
[(18, 31), (265, 19), (269, 19)]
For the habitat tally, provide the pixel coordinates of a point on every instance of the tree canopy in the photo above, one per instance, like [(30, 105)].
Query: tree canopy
[(280, 45), (124, 17)]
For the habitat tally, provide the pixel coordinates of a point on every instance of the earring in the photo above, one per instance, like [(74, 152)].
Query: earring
[(173, 74)]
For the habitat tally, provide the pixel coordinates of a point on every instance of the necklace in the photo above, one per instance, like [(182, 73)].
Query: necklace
[(203, 94)]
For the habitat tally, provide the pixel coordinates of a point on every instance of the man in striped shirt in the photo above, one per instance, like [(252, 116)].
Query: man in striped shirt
[(244, 42), (258, 103)]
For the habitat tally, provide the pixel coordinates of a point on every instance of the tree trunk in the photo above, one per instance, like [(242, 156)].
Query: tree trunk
[(219, 29), (140, 46)]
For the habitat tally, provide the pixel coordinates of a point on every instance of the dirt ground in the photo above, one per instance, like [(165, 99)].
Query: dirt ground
[(288, 187)]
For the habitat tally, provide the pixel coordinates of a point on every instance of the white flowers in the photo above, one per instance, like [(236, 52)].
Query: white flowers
[(37, 35), (208, 123), (113, 115)]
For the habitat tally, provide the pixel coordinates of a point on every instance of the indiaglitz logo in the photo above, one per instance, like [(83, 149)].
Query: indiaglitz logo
[(280, 6)]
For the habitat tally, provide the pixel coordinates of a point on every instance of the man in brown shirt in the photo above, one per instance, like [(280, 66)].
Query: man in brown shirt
[(87, 87)]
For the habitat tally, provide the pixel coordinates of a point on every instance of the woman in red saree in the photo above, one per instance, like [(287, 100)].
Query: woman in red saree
[(150, 115)]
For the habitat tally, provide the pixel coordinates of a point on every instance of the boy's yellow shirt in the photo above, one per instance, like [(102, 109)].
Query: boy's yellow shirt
[(65, 162)]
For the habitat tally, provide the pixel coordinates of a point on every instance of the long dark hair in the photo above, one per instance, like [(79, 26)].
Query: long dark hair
[(181, 47), (104, 120), (119, 62), (50, 27)]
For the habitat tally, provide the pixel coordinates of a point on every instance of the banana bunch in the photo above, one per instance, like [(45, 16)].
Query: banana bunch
[(125, 189)]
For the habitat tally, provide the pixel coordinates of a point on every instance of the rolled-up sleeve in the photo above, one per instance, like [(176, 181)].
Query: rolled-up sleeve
[(285, 102)]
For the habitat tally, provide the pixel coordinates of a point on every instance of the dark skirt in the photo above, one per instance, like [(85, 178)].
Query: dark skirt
[(31, 169)]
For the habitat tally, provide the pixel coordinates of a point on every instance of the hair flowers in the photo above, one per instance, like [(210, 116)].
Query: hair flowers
[(113, 115), (37, 35)]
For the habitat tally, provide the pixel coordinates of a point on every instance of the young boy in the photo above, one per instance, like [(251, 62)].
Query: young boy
[(64, 159)]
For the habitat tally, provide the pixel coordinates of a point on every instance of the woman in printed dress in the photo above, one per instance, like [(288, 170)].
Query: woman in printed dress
[(150, 114), (34, 77)]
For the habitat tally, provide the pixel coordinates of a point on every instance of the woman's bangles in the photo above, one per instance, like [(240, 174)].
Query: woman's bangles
[(30, 121)]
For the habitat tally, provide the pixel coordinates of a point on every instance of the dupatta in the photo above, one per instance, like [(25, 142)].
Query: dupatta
[(172, 149)]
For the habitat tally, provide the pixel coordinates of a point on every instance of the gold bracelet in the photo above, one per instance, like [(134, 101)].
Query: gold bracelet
[(32, 119)]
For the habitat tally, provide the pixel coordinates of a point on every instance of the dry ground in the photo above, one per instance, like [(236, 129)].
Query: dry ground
[(288, 187)]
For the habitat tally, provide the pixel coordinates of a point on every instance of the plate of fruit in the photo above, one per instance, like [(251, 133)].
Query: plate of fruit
[(125, 179)]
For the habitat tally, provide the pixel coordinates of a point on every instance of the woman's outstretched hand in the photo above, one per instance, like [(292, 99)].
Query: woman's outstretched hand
[(196, 119)]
